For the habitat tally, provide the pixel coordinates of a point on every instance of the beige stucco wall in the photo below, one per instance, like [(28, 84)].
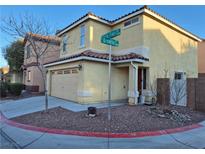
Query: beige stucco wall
[(130, 37), (96, 30), (52, 53), (93, 79), (74, 40), (65, 66), (201, 57), (36, 78), (96, 82), (169, 50)]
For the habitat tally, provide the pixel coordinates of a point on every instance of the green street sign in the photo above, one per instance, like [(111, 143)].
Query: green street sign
[(107, 41), (107, 38), (112, 34)]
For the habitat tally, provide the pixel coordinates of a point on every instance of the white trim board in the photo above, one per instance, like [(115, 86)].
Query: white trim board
[(93, 59), (144, 10)]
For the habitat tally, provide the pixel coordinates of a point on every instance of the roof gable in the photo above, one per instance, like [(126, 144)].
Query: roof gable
[(142, 10)]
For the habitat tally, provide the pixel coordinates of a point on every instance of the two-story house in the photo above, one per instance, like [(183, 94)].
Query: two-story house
[(32, 77), (150, 46)]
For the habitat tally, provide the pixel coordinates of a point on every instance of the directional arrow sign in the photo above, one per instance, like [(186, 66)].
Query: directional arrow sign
[(112, 34), (109, 41), (107, 38)]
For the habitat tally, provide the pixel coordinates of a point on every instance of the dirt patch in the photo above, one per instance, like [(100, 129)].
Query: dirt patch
[(124, 119)]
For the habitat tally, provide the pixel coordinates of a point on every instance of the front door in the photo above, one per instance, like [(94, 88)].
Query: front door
[(140, 80)]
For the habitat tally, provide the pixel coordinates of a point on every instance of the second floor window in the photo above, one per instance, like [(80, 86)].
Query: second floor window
[(28, 51), (82, 36), (65, 43)]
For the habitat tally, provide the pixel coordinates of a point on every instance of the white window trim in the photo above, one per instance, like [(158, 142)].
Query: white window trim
[(82, 46), (67, 48), (28, 51), (131, 25)]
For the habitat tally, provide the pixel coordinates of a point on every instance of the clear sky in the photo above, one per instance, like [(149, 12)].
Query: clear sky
[(189, 17)]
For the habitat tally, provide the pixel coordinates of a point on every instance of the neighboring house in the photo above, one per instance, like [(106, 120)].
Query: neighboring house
[(4, 74), (10, 76), (150, 47), (201, 58), (16, 77), (32, 77)]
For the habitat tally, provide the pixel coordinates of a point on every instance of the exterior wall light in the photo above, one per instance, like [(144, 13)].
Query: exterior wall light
[(79, 67)]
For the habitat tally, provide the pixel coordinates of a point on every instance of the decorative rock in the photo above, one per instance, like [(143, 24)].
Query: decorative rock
[(161, 115)]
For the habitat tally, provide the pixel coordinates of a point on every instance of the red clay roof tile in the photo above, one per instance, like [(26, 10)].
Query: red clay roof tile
[(104, 56)]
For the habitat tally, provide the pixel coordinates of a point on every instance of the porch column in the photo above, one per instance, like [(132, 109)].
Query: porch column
[(133, 93), (48, 82)]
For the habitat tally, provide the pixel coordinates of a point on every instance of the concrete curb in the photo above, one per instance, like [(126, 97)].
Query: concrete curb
[(99, 134)]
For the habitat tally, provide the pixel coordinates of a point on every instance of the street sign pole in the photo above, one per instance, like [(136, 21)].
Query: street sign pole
[(108, 39), (109, 95)]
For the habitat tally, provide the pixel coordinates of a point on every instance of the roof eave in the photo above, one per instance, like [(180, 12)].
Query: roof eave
[(81, 21), (94, 59), (138, 12)]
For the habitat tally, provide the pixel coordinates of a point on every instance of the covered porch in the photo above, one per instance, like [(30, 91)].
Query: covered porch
[(138, 81)]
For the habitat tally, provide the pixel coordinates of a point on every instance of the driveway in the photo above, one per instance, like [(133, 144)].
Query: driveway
[(13, 108), (25, 138)]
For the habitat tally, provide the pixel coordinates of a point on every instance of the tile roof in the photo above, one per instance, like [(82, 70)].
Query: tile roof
[(51, 39), (103, 56), (129, 13), (87, 14), (112, 22)]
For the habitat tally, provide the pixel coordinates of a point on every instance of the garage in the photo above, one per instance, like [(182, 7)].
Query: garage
[(64, 84)]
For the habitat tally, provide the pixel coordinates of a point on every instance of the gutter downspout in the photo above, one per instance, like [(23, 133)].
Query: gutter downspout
[(134, 78)]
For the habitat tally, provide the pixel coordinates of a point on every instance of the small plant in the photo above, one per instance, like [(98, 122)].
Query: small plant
[(16, 88)]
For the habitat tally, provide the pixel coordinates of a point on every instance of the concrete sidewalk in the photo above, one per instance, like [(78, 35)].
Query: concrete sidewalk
[(30, 139), (23, 138)]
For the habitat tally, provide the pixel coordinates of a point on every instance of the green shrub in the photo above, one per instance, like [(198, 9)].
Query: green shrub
[(3, 89), (16, 88)]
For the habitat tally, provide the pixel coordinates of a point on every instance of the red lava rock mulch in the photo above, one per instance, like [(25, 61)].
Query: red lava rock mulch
[(124, 119)]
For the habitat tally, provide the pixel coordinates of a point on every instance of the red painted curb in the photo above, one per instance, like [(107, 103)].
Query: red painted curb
[(99, 134)]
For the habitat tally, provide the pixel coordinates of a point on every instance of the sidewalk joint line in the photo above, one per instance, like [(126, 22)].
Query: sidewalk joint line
[(33, 141), (192, 147), (7, 137)]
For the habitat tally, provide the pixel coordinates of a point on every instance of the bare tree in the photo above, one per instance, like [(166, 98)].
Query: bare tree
[(24, 27), (178, 90), (153, 90)]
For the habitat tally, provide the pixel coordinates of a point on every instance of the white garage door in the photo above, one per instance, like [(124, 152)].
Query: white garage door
[(64, 84)]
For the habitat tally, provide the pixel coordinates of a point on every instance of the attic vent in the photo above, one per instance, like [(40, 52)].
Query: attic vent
[(131, 21)]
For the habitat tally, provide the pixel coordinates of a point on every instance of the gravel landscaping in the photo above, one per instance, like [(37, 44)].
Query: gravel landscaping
[(124, 119)]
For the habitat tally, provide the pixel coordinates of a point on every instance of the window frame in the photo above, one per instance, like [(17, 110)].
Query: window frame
[(82, 36), (65, 43), (179, 75), (131, 22), (28, 51)]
